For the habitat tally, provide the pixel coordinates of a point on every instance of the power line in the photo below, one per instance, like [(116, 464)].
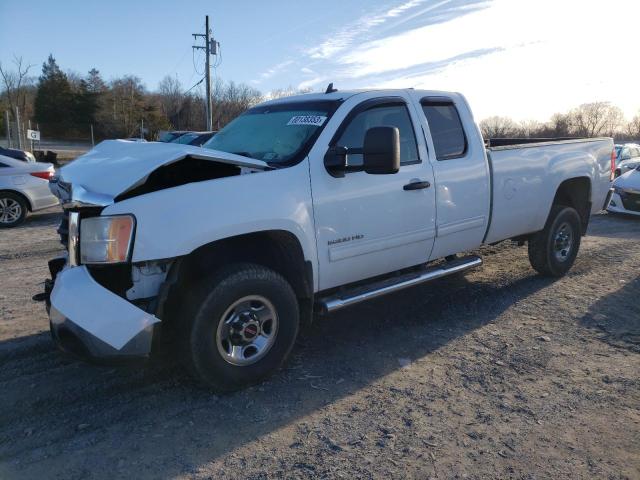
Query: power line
[(195, 85)]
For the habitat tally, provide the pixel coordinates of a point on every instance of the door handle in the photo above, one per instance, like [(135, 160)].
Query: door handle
[(417, 185)]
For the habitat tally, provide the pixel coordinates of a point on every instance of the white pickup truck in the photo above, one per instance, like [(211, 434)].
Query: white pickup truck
[(301, 205)]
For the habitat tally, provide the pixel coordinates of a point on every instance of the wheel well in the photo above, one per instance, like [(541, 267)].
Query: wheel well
[(576, 193), (276, 249), (21, 195)]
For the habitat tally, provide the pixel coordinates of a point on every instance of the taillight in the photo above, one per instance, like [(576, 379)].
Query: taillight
[(44, 175), (613, 164)]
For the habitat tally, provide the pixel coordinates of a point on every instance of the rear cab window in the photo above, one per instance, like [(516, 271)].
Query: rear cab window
[(447, 132)]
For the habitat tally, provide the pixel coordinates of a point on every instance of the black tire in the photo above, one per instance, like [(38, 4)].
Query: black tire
[(201, 353), (545, 248), (16, 203)]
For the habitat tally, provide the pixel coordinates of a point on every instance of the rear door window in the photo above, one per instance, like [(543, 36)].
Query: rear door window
[(449, 139)]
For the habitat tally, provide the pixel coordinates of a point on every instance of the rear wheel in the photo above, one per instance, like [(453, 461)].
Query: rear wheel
[(13, 210), (553, 250), (245, 322)]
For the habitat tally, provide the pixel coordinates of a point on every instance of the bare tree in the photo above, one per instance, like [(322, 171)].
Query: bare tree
[(171, 99), (230, 100), (632, 128), (596, 119), (498, 127), (15, 83), (530, 128), (560, 125)]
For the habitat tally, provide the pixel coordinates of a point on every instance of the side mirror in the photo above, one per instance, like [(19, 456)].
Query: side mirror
[(335, 161), (381, 151)]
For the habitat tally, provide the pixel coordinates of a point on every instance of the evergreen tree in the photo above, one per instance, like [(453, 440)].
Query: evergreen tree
[(54, 105), (85, 106), (94, 81)]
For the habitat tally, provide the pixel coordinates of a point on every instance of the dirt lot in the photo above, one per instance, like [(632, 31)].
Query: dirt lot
[(496, 374)]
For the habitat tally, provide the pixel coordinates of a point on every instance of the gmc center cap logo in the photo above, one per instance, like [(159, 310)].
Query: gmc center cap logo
[(250, 331)]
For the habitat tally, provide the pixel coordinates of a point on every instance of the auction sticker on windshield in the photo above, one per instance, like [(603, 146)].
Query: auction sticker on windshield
[(316, 120)]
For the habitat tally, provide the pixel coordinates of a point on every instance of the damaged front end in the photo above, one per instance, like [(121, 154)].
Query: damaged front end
[(102, 312), (101, 304)]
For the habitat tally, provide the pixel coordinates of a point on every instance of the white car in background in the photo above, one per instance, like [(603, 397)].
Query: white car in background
[(625, 197), (24, 187), (627, 158)]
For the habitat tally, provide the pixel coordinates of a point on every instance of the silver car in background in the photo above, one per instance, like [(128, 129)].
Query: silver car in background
[(24, 187)]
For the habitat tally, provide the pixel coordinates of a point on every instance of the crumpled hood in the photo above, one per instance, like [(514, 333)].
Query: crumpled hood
[(629, 180), (115, 166)]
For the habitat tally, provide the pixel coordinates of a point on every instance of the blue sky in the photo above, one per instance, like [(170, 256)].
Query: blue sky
[(523, 58)]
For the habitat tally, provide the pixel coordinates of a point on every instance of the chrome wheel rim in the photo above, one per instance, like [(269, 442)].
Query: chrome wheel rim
[(10, 210), (563, 242), (247, 330)]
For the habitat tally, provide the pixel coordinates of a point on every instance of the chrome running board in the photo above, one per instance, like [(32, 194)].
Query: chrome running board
[(382, 287)]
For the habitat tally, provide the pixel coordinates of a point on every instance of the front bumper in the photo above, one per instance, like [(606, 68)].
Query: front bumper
[(617, 205), (88, 320)]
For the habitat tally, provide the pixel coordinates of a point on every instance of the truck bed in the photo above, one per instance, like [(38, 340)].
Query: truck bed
[(525, 178)]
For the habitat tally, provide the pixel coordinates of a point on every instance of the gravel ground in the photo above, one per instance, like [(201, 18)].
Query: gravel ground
[(499, 373)]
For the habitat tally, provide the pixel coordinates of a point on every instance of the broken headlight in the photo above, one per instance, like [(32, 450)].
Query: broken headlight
[(106, 239)]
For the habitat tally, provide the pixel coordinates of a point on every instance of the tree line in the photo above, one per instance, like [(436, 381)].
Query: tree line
[(597, 119), (67, 105)]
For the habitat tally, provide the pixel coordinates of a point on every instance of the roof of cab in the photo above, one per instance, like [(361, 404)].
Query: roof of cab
[(345, 94), (338, 95)]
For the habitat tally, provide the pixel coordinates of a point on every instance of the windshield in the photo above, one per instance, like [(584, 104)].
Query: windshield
[(186, 138), (277, 134), (168, 136)]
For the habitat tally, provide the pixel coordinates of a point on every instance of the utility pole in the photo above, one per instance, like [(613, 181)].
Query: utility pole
[(210, 48)]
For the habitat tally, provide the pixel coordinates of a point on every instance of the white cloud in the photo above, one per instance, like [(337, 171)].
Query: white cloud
[(547, 56), (312, 82), (522, 58), (276, 69), (342, 39)]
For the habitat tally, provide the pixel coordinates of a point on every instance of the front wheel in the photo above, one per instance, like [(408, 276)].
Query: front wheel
[(245, 322), (553, 250), (13, 210)]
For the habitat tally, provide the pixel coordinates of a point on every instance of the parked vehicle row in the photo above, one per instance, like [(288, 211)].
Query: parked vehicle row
[(301, 205)]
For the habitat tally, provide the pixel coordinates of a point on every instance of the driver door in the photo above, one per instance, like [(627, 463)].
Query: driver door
[(367, 225)]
